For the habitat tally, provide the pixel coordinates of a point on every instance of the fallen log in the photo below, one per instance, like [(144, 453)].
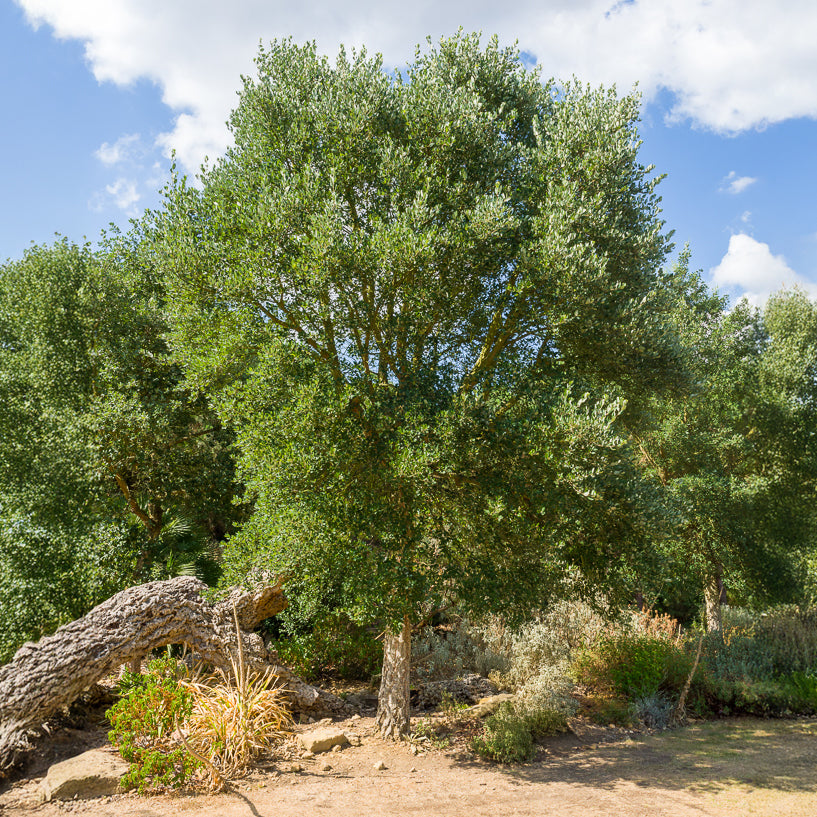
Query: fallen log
[(51, 674)]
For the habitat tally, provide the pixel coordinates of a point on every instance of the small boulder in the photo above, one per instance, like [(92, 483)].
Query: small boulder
[(488, 705), (322, 740), (92, 774)]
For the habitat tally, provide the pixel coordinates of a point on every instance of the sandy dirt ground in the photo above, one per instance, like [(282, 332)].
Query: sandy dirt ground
[(728, 767)]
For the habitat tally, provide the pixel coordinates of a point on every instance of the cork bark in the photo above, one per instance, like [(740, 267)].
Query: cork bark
[(393, 712)]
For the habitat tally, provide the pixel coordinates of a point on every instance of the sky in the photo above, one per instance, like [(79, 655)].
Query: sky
[(98, 94)]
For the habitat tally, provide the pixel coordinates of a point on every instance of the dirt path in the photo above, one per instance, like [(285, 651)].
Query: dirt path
[(733, 767)]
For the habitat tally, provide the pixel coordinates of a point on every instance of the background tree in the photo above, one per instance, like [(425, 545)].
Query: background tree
[(101, 444), (427, 299), (731, 452)]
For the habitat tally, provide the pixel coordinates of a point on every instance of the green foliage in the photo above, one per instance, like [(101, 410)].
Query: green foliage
[(104, 449), (506, 737), (778, 642), (734, 453), (802, 688), (143, 721), (333, 645), (631, 665), (608, 710), (51, 576), (425, 300), (509, 735), (456, 647)]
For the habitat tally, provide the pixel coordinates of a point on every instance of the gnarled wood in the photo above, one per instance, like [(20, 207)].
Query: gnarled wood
[(48, 675)]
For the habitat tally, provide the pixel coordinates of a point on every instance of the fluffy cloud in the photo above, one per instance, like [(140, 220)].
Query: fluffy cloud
[(124, 193), (731, 64), (121, 150), (750, 270), (735, 184)]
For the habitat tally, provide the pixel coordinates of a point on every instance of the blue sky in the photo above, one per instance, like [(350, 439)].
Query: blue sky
[(98, 92)]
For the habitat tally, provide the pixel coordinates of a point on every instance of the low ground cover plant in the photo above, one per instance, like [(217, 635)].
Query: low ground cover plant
[(143, 721)]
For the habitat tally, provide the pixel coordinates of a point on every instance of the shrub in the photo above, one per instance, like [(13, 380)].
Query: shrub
[(143, 721), (458, 648), (763, 646), (631, 665), (333, 643), (546, 702), (608, 711), (654, 711), (803, 691), (506, 737), (514, 656), (551, 639)]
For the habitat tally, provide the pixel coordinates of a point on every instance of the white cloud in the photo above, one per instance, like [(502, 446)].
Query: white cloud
[(734, 184), (749, 269), (121, 150), (124, 193), (731, 64)]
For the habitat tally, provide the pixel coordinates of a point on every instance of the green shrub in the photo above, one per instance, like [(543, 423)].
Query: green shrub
[(333, 644), (458, 647), (803, 691), (607, 711), (764, 646), (630, 665), (506, 737), (143, 721), (546, 701)]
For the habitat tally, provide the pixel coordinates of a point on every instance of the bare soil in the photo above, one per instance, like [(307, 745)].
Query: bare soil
[(727, 767)]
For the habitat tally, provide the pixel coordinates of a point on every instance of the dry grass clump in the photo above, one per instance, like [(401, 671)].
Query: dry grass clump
[(233, 719)]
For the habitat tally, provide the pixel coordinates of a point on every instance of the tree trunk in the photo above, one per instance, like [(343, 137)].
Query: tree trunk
[(393, 718), (713, 586), (48, 675)]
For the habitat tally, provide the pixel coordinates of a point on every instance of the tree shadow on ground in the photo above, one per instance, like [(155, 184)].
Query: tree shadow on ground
[(702, 758)]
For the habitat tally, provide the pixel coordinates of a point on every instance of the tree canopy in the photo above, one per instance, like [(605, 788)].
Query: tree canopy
[(113, 472), (427, 299)]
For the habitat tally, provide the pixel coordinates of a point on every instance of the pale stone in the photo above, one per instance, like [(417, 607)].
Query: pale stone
[(92, 774), (322, 740), (489, 705), (380, 766)]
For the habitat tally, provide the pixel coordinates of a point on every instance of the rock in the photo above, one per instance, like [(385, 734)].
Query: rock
[(92, 774), (380, 766), (337, 747), (307, 755), (296, 767), (489, 705), (326, 768), (322, 740), (469, 689)]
